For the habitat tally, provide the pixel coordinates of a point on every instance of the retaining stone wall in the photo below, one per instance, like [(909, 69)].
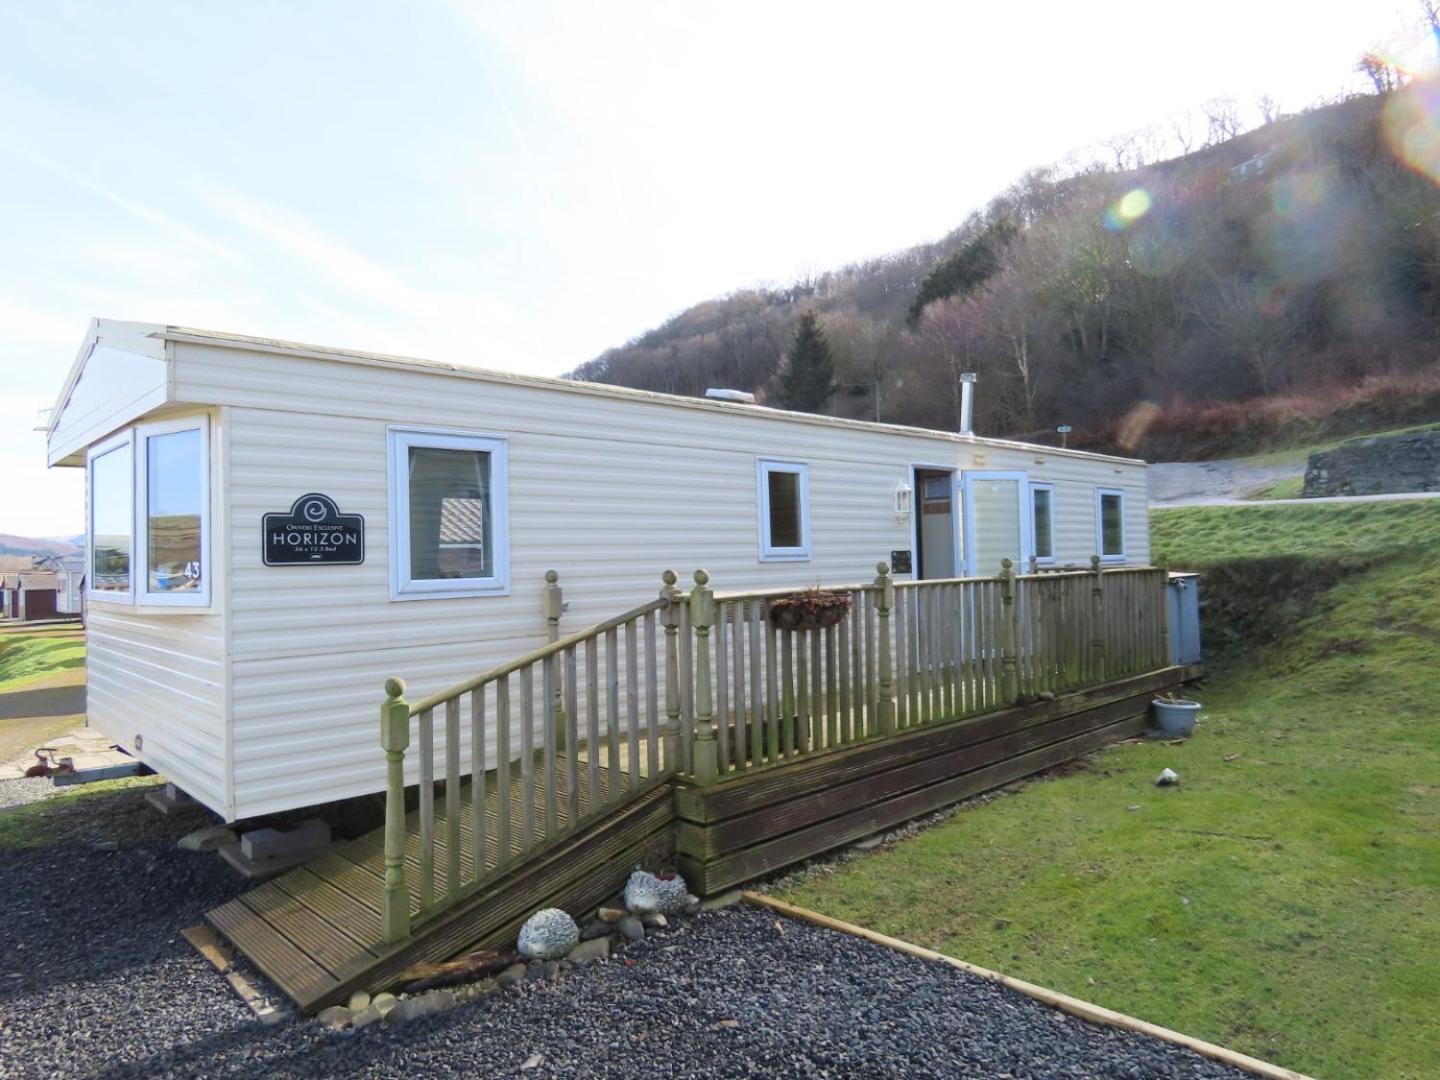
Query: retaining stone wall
[(1381, 465)]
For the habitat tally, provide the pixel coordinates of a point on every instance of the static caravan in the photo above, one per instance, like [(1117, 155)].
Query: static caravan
[(275, 529)]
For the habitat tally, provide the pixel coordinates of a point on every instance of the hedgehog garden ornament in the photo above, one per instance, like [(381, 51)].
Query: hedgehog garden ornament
[(548, 935), (652, 894)]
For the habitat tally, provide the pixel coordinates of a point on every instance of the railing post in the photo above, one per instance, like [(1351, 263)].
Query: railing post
[(395, 739), (554, 604), (1009, 666), (670, 618), (702, 616), (1165, 653), (1097, 621), (885, 603)]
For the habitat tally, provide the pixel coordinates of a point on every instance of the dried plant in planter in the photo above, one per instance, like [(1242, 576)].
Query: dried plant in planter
[(813, 609)]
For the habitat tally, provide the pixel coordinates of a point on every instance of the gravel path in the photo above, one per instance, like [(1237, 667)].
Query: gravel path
[(95, 980), (24, 790)]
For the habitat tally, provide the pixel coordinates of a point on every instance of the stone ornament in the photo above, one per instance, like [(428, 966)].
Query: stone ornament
[(548, 935), (650, 894)]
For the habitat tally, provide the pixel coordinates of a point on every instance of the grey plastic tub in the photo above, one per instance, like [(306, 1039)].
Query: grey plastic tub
[(1176, 717)]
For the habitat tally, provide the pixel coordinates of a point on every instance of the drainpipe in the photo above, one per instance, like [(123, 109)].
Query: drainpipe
[(967, 402)]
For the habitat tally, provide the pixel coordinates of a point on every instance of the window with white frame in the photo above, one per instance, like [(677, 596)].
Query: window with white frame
[(1110, 524), (111, 533), (150, 515), (1042, 505), (784, 504), (448, 514)]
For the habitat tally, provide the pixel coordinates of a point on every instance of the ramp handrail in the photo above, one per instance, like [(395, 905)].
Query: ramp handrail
[(552, 764)]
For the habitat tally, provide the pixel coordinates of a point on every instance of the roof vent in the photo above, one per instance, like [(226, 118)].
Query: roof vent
[(718, 394)]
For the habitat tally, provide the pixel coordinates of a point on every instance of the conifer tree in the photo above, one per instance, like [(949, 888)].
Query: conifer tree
[(808, 381)]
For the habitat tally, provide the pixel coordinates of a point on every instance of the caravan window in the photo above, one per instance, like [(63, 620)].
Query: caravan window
[(784, 497), (1042, 500), (112, 513), (1110, 524), (149, 515), (175, 487), (448, 522)]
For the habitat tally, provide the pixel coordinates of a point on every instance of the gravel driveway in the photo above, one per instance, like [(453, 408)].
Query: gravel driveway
[(96, 981)]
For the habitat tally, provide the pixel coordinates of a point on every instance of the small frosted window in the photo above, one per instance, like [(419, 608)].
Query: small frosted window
[(1112, 524), (784, 494), (785, 526), (1044, 523)]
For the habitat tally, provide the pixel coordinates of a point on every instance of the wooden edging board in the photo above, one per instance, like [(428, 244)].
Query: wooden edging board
[(1085, 1010)]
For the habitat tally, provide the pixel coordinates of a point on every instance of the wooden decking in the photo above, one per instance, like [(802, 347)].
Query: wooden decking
[(316, 930)]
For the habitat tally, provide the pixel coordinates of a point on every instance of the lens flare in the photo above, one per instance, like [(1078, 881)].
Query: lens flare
[(1296, 193), (1411, 124), (1127, 209), (1136, 423)]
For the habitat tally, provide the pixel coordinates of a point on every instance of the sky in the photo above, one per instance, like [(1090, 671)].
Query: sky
[(522, 185)]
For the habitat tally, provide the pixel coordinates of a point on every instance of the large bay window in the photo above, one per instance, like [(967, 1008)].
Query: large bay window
[(784, 506), (448, 525), (149, 515)]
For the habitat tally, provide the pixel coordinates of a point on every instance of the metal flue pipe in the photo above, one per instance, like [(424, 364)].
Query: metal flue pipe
[(967, 402)]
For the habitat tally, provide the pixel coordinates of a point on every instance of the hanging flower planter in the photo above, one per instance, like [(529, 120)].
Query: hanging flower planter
[(813, 609)]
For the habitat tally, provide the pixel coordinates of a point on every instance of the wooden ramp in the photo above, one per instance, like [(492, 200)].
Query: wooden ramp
[(315, 931)]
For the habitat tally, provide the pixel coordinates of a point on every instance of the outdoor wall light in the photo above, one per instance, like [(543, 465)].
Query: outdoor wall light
[(902, 501)]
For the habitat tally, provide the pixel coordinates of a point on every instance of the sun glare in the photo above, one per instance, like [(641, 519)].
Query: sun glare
[(1127, 209)]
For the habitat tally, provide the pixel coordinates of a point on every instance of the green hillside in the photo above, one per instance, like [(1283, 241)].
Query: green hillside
[(1274, 287)]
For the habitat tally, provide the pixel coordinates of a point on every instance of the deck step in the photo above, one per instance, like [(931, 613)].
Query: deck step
[(315, 930)]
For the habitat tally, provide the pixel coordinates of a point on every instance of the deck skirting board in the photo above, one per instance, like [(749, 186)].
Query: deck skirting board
[(881, 790)]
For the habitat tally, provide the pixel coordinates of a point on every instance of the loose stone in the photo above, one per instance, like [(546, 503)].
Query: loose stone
[(511, 975), (336, 1017), (587, 951), (632, 928), (216, 836), (598, 928)]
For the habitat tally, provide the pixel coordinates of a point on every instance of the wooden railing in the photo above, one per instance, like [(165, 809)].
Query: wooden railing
[(620, 707), (526, 754), (908, 654)]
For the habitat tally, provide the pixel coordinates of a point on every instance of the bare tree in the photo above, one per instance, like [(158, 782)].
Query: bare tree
[(1222, 120), (1382, 74), (1183, 129), (1268, 108)]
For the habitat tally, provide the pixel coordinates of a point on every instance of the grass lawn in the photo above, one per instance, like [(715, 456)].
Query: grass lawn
[(29, 656), (1289, 488), (1283, 899), (42, 685)]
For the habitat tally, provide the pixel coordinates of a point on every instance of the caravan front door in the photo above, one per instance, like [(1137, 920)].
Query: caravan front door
[(996, 524)]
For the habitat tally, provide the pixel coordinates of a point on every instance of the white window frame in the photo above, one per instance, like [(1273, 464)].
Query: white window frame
[(1027, 518), (1042, 560), (99, 450), (768, 552), (402, 586), (140, 566), (1100, 493)]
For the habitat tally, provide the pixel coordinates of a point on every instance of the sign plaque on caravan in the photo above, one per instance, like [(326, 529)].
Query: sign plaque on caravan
[(314, 531)]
